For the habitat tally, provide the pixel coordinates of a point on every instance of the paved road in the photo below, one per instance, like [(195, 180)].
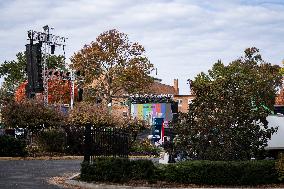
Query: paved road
[(32, 174)]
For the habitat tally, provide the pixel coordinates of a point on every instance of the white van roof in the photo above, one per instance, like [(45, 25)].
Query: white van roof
[(277, 139)]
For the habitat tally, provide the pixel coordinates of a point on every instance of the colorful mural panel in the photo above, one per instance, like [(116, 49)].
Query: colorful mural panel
[(148, 111)]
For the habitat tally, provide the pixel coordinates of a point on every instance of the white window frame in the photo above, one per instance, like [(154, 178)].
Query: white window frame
[(179, 102)]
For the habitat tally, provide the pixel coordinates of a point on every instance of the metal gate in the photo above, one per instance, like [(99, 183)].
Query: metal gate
[(107, 142)]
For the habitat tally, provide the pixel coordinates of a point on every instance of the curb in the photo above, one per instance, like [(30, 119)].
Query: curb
[(87, 185), (72, 182), (95, 186), (105, 186), (63, 158), (44, 158)]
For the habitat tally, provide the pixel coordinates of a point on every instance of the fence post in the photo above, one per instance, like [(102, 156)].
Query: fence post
[(88, 140)]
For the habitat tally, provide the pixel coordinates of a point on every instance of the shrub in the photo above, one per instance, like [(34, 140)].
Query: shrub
[(117, 170), (280, 166), (106, 169), (189, 172), (31, 115), (143, 170), (144, 148), (222, 172), (52, 140), (10, 146), (34, 150), (74, 140)]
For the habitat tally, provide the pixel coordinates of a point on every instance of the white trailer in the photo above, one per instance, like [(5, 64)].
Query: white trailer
[(276, 143)]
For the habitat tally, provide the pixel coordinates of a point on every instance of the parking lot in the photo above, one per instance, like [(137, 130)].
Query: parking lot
[(33, 174)]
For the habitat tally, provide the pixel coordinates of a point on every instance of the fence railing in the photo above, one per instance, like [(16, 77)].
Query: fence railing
[(105, 141)]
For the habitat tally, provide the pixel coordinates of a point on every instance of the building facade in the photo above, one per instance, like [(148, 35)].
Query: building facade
[(157, 88)]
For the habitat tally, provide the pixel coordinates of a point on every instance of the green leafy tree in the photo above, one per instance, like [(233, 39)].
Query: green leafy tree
[(6, 93), (113, 65), (282, 68), (227, 119), (14, 73)]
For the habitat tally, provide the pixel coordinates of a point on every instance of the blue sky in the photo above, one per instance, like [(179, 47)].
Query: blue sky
[(181, 37)]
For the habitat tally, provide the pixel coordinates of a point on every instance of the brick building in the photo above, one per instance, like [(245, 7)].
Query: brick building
[(280, 98), (183, 100), (157, 88)]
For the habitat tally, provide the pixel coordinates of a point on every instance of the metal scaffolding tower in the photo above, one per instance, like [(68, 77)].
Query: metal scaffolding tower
[(48, 42)]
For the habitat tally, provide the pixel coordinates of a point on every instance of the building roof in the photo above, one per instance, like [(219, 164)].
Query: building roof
[(159, 88), (155, 88), (190, 95)]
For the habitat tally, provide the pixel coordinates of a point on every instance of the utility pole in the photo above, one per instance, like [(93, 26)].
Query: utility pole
[(72, 89), (45, 79)]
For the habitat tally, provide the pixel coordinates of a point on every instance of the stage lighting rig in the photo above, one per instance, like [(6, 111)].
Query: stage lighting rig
[(46, 37), (48, 42)]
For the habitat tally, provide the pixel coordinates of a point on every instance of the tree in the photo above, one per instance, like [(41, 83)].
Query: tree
[(6, 94), (14, 73), (31, 115), (227, 119), (99, 116), (96, 114), (59, 91), (113, 65), (282, 68), (280, 96)]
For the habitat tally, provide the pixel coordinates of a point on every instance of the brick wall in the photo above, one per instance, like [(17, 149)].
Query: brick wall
[(183, 101), (280, 98)]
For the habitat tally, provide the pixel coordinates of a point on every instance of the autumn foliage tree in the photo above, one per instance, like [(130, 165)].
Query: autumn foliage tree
[(227, 119), (100, 116), (31, 115), (280, 97), (113, 65), (59, 92)]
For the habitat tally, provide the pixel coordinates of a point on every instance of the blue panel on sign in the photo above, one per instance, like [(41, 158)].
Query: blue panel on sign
[(158, 121)]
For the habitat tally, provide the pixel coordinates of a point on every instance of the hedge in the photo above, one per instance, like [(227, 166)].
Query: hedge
[(117, 170), (222, 172), (194, 172), (12, 147), (280, 166)]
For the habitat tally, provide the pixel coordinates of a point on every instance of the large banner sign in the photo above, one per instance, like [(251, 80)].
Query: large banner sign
[(148, 111)]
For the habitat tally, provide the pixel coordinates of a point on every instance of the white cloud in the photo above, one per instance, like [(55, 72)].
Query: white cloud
[(181, 37)]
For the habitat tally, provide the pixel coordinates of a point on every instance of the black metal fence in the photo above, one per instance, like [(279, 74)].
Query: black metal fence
[(104, 141)]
